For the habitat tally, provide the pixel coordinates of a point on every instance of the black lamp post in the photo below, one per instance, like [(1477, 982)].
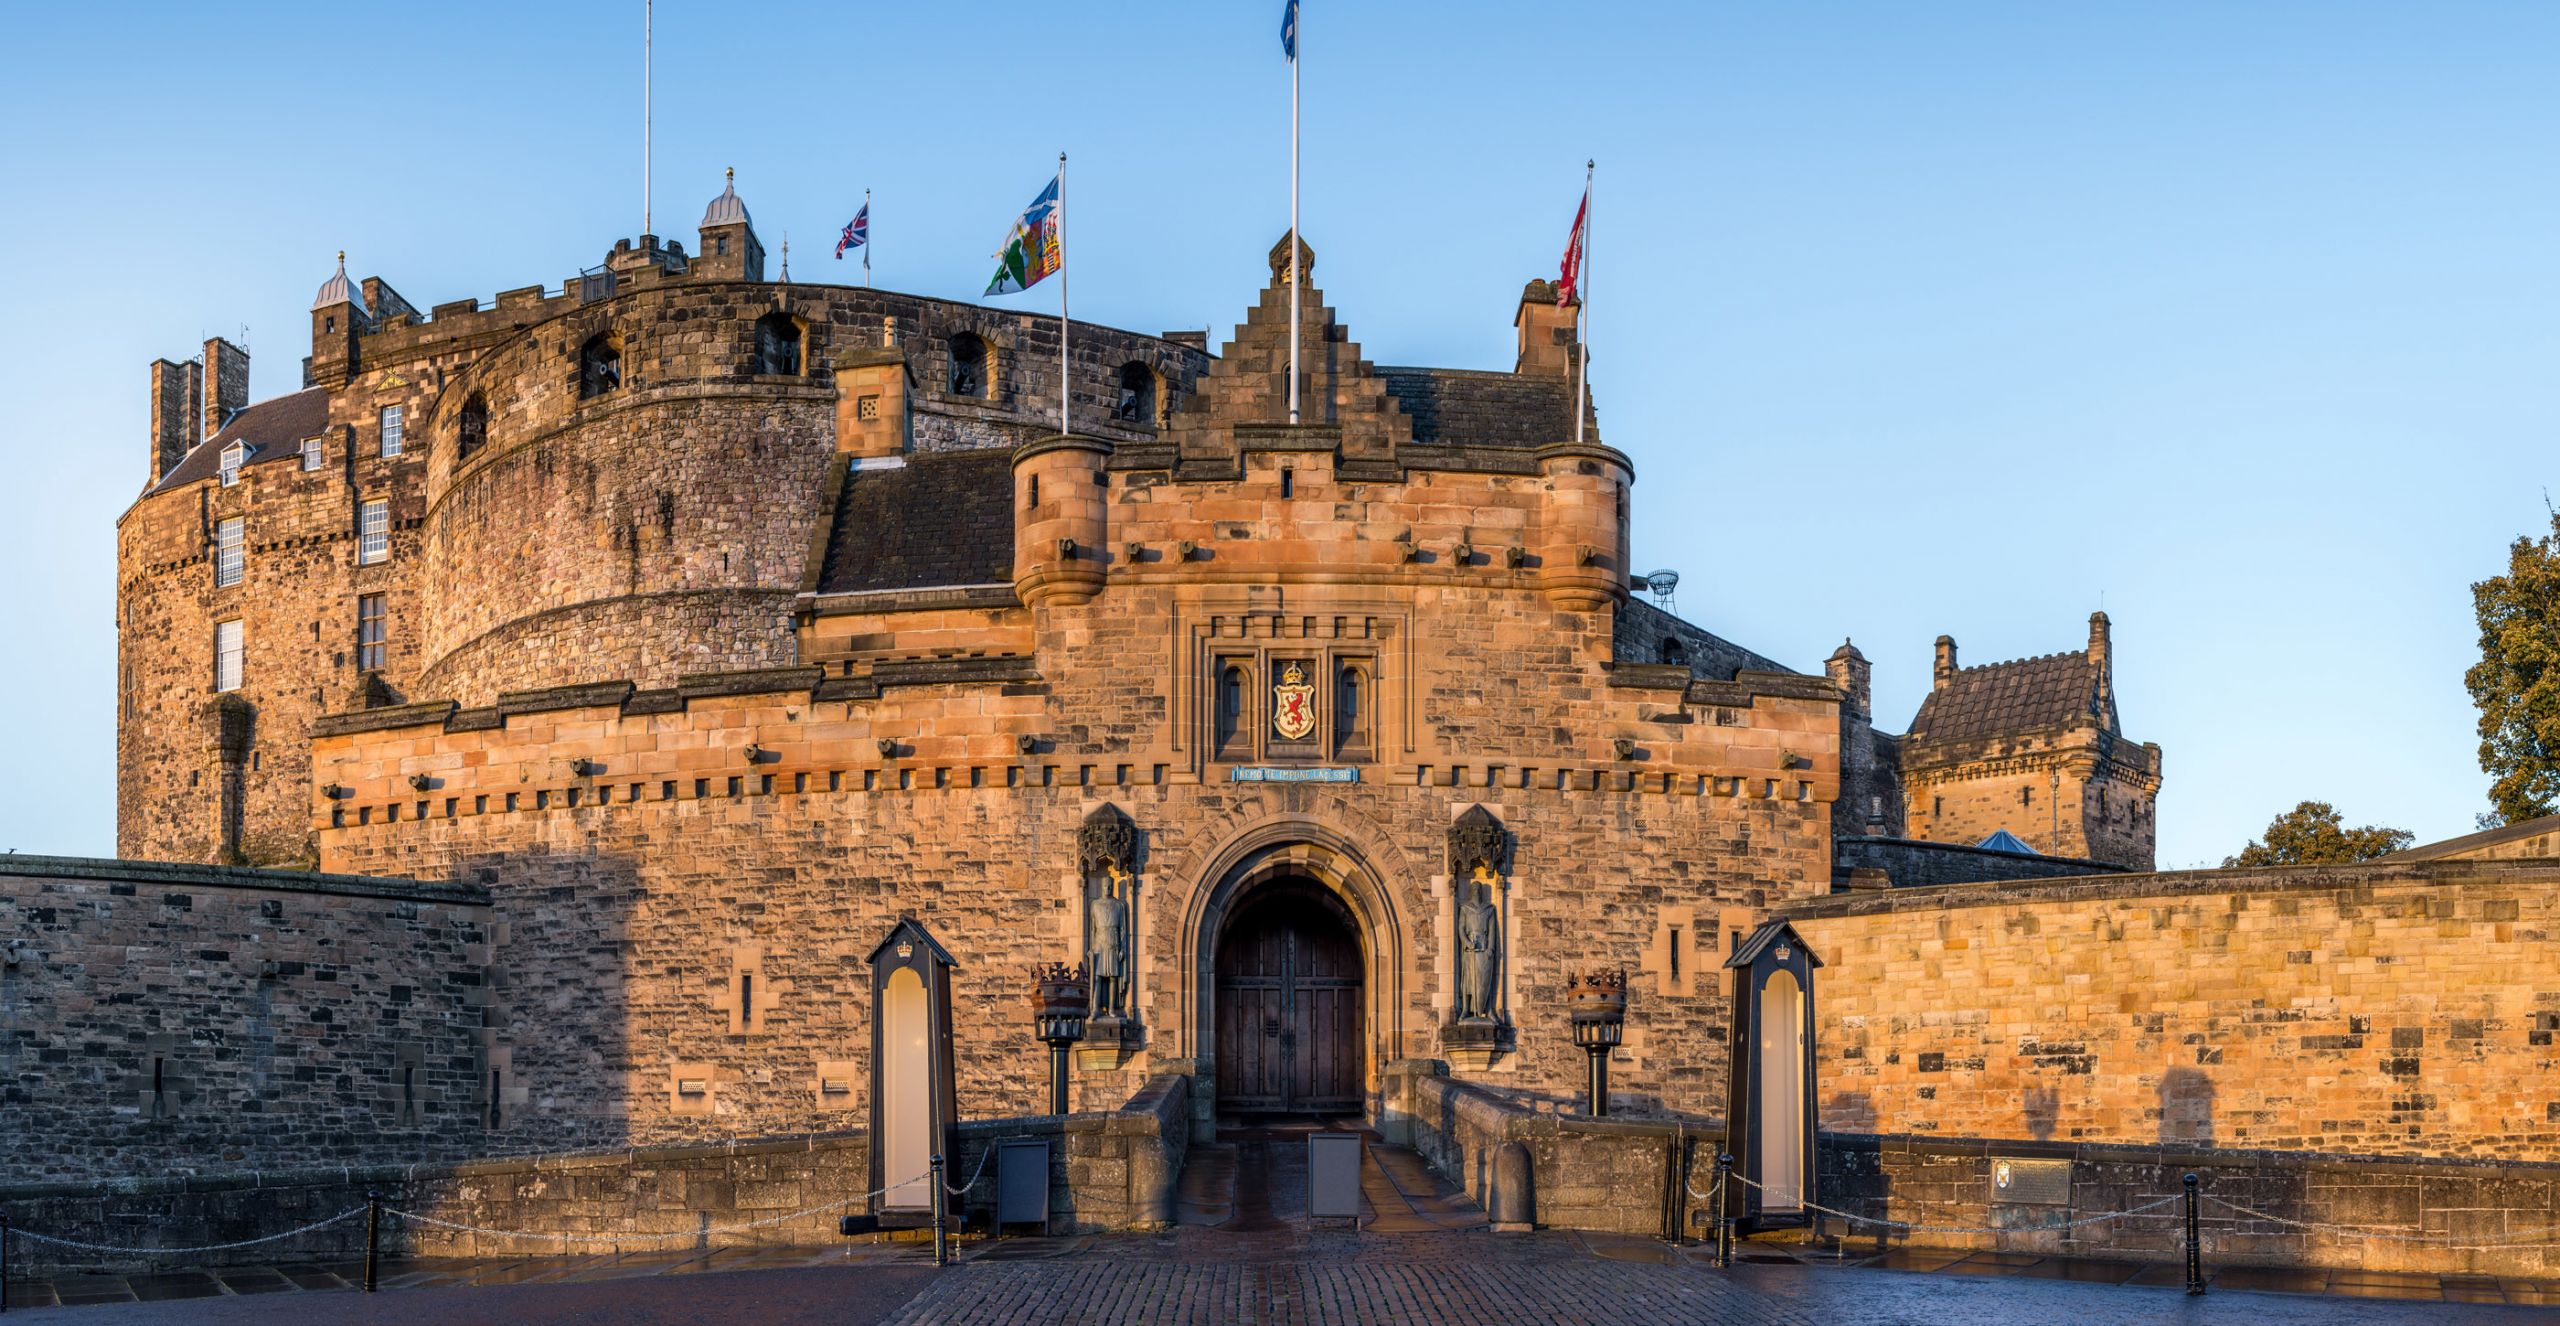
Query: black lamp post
[(1597, 1002), (1060, 1001)]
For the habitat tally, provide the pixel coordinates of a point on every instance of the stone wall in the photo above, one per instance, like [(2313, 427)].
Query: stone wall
[(2383, 1009), (160, 1019), (1108, 1171), (2406, 1215), (1620, 1176)]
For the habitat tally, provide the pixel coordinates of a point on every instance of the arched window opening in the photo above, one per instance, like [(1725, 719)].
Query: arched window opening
[(472, 430), (1230, 724), (968, 365), (1351, 710), (599, 366), (1673, 651), (778, 337), (1137, 396)]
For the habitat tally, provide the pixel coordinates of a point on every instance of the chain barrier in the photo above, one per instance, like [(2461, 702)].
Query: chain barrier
[(420, 1218), (24, 1233), (1910, 1227), (2524, 1238)]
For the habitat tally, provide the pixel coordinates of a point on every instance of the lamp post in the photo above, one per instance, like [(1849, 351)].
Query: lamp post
[(1060, 1001), (1597, 1002)]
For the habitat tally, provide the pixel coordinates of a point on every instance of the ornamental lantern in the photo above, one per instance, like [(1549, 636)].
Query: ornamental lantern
[(1597, 1002), (1061, 998)]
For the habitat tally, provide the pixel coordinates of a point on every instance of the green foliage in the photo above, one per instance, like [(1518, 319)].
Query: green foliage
[(2516, 683), (2309, 834)]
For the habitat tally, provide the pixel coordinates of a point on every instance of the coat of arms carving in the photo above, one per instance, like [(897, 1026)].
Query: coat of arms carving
[(1293, 705)]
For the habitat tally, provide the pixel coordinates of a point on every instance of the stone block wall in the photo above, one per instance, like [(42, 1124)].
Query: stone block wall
[(1915, 863), (161, 1019), (2372, 1213), (1620, 1176), (2382, 1009)]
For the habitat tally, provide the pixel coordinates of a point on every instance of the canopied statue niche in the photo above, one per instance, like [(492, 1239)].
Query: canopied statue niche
[(1479, 1028), (1107, 857)]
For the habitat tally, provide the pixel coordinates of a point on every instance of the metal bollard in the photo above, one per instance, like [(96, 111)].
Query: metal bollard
[(1724, 1208), (2195, 1245), (372, 1242), (941, 1248)]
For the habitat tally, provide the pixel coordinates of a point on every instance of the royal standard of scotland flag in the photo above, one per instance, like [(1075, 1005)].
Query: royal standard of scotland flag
[(1031, 252)]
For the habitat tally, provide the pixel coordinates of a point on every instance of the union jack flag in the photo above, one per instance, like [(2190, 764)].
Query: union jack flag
[(857, 232)]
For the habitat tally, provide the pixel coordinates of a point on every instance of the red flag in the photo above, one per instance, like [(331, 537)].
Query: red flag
[(1569, 277)]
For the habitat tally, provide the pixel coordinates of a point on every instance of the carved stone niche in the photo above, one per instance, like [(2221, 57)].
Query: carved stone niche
[(1107, 862), (1479, 1030)]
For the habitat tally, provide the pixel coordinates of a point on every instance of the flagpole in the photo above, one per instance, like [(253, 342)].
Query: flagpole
[(1298, 41), (866, 239), (1062, 294), (1582, 311), (648, 27)]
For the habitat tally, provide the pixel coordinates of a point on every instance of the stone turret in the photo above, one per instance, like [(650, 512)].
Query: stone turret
[(730, 250)]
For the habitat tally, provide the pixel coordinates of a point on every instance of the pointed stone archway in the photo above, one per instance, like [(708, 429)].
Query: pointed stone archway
[(1306, 930)]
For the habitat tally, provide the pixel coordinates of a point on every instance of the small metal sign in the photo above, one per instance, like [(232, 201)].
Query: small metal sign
[(1022, 1182), (1267, 773), (2031, 1182), (1333, 1175)]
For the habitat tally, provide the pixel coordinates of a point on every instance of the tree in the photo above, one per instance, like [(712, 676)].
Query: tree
[(2516, 683), (2310, 835)]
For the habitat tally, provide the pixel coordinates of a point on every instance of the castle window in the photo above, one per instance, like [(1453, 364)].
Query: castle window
[(968, 365), (392, 420), (1137, 396), (372, 628), (373, 532), (1288, 483), (1230, 712), (2026, 796), (314, 453), (599, 366), (1032, 496), (1936, 806), (1673, 651), (229, 551), (778, 345), (232, 458), (471, 428), (226, 655), (1351, 710)]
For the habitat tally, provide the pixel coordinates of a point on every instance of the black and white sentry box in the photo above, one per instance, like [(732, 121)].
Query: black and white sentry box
[(1769, 1107)]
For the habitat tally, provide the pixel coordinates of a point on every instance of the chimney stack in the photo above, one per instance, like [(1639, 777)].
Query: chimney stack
[(2102, 663), (1945, 671), (1546, 332), (177, 393), (226, 383)]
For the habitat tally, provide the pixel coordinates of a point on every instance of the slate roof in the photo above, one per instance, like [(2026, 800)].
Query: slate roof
[(2001, 840), (1997, 699), (1467, 407), (273, 429), (943, 518)]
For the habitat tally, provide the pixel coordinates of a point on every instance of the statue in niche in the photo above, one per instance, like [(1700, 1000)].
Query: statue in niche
[(1107, 845), (1477, 846), (1479, 951)]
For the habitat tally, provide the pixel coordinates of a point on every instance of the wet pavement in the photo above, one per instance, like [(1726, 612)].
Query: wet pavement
[(1245, 1255)]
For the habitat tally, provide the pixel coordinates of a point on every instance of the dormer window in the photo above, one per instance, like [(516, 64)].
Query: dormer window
[(968, 365), (599, 366), (233, 456), (778, 345), (314, 454)]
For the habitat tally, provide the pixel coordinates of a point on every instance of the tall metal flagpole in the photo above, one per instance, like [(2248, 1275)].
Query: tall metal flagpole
[(648, 34), (1297, 40), (1062, 294), (1582, 293), (866, 239)]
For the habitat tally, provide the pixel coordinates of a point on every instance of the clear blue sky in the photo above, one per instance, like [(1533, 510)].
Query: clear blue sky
[(1916, 318)]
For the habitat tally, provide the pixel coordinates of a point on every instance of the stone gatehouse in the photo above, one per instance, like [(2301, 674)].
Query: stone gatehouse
[(713, 624)]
